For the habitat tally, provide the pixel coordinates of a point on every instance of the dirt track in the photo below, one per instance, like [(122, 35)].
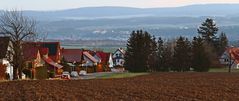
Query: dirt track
[(160, 86)]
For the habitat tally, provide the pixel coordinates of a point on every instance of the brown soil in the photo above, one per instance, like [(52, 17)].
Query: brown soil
[(153, 87)]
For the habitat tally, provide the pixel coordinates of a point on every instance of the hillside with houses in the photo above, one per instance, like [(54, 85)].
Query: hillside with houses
[(51, 58), (119, 53)]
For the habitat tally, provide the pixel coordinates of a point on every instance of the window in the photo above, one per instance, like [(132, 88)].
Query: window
[(226, 60)]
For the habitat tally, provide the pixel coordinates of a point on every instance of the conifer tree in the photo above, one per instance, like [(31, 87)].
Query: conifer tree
[(223, 43), (200, 58), (140, 47), (160, 56), (167, 57), (208, 31), (182, 58)]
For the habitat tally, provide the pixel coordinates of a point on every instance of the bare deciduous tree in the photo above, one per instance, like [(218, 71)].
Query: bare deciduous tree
[(19, 28)]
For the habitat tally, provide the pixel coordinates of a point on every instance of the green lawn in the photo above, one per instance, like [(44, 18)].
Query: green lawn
[(120, 75)]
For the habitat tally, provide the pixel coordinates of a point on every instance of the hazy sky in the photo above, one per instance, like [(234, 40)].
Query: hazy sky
[(66, 4)]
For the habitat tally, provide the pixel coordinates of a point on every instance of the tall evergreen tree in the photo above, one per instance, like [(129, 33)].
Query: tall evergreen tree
[(139, 49), (223, 43), (200, 58), (208, 31), (182, 57), (167, 57), (160, 58), (153, 55)]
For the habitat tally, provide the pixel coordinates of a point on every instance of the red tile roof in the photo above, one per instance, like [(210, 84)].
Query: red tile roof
[(53, 49), (72, 55), (51, 62), (104, 57), (234, 52), (29, 52), (44, 51)]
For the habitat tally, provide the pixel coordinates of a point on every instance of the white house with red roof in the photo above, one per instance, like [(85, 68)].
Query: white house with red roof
[(231, 55)]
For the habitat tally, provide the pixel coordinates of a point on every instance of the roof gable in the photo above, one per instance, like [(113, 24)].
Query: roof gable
[(121, 50), (89, 56)]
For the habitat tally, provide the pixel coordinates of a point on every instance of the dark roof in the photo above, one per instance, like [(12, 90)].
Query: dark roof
[(52, 46), (72, 55), (4, 43), (121, 50)]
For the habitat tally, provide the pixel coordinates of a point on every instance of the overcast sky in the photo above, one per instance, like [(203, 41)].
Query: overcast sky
[(67, 4)]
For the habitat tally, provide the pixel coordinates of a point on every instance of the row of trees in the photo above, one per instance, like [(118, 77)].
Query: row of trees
[(144, 53)]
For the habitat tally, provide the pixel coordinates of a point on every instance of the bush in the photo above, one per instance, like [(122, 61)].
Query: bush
[(41, 73)]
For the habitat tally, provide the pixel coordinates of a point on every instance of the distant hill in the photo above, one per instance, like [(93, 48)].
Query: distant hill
[(122, 12), (116, 23)]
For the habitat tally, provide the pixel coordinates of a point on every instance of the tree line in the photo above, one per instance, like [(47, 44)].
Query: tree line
[(148, 53)]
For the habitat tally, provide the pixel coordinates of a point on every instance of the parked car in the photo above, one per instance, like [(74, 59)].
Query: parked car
[(82, 72), (65, 75), (74, 74)]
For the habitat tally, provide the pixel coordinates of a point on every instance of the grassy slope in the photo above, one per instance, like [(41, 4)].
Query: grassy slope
[(121, 75), (222, 70)]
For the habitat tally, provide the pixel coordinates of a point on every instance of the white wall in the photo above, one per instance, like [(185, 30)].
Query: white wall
[(9, 68), (119, 61)]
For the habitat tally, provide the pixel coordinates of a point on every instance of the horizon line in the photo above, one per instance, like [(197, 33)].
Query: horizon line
[(201, 4)]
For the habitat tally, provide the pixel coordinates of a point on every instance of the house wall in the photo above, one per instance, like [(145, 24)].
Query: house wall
[(224, 59), (118, 58), (236, 66), (9, 67)]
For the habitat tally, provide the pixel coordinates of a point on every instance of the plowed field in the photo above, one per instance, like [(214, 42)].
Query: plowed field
[(153, 87)]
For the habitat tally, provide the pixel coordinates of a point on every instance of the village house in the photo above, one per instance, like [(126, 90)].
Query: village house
[(118, 57), (43, 54), (72, 57), (231, 55), (106, 61), (5, 56), (86, 58), (89, 60), (54, 50)]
